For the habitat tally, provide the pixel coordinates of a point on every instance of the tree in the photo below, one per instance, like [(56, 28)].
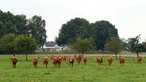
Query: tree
[(73, 29), (82, 45), (134, 45), (10, 23), (104, 30), (114, 45), (7, 43), (25, 44), (21, 25), (144, 46), (6, 23), (124, 44), (37, 29)]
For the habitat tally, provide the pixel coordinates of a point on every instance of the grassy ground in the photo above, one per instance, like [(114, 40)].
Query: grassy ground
[(25, 72)]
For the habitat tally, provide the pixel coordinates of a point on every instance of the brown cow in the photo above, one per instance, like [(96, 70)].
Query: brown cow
[(122, 61), (79, 59), (46, 61), (54, 58), (109, 59), (71, 60), (14, 61), (35, 62), (57, 61), (99, 60), (85, 60), (139, 59)]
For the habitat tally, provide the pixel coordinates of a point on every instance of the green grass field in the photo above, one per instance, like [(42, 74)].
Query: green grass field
[(25, 72)]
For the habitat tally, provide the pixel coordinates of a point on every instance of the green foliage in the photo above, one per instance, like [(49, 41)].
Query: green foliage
[(25, 44), (19, 25), (82, 45), (37, 29), (124, 44), (7, 43), (73, 29), (144, 46), (6, 23), (134, 45), (114, 45), (101, 31), (21, 43), (104, 30)]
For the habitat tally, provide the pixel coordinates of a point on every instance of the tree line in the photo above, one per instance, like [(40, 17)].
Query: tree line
[(21, 35), (18, 26), (102, 36), (99, 32)]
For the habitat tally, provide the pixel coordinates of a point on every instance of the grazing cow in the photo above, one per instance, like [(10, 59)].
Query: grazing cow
[(57, 61), (139, 59), (85, 60), (122, 61), (79, 59), (46, 61), (99, 60), (54, 58), (109, 59), (35, 62), (14, 61), (71, 60)]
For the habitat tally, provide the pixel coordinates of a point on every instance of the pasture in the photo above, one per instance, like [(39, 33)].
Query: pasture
[(25, 72)]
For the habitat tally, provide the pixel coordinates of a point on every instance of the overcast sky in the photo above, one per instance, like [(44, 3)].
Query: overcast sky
[(128, 16)]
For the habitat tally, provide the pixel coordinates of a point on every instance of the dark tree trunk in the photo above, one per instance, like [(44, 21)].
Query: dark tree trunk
[(26, 57), (137, 54)]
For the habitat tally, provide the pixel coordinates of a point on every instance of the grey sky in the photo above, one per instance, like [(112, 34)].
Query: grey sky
[(129, 16)]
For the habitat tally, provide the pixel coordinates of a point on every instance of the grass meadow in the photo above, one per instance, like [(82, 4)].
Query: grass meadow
[(25, 72)]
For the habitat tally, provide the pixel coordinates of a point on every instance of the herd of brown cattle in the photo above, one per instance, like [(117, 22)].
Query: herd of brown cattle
[(57, 60)]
